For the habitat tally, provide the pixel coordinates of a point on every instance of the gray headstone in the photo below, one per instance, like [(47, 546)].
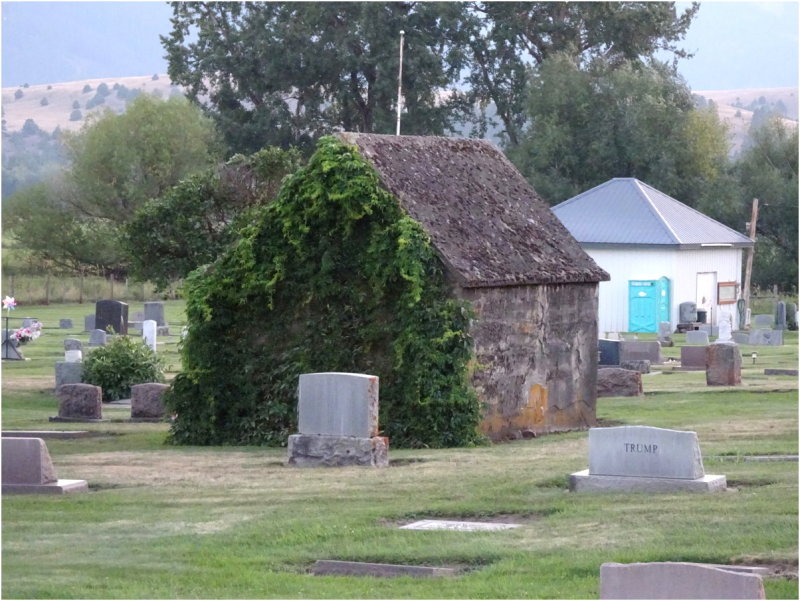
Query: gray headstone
[(723, 364), (609, 352), (741, 338), (88, 323), (72, 344), (68, 372), (81, 401), (149, 333), (73, 356), (762, 321), (725, 327), (677, 580), (65, 324), (687, 312), (709, 329), (644, 451), (338, 404), (27, 468), (697, 337), (97, 338), (11, 351), (155, 311), (693, 357), (28, 322), (766, 337), (113, 314), (791, 316), (137, 316), (780, 315), (664, 329), (319, 450), (631, 350), (147, 400)]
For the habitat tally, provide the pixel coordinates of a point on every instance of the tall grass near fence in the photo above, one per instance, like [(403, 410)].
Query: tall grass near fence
[(46, 289)]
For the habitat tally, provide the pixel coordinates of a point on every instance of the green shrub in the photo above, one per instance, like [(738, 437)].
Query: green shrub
[(121, 364), (332, 276)]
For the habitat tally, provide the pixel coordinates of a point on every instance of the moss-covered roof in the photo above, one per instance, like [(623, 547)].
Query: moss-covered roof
[(488, 224)]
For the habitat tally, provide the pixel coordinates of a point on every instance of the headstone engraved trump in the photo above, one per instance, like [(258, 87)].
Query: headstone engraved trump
[(644, 458)]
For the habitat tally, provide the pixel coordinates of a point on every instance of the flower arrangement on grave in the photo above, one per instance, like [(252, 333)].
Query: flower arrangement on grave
[(26, 334)]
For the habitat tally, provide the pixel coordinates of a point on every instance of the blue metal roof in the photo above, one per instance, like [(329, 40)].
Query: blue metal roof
[(625, 211)]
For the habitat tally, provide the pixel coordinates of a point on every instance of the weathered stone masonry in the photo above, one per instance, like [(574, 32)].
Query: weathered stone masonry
[(536, 355)]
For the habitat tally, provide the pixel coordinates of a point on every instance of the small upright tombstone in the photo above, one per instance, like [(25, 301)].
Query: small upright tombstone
[(644, 458), (632, 350), (149, 328), (155, 311), (68, 372), (697, 337), (665, 333), (693, 357), (677, 580), (791, 316), (725, 327), (609, 351), (762, 321), (97, 338), (780, 315), (79, 402), (72, 344), (27, 468), (65, 324), (338, 422), (723, 364), (687, 312), (113, 314), (147, 400), (88, 323)]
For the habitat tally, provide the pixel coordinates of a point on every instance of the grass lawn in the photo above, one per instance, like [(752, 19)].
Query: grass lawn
[(235, 522)]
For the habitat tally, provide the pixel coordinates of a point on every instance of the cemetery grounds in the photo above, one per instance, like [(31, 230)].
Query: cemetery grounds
[(235, 522)]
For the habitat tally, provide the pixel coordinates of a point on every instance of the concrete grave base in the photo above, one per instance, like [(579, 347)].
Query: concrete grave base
[(584, 482), (330, 567), (320, 450), (59, 487)]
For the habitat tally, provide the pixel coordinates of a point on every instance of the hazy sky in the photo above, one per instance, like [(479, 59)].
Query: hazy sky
[(736, 44)]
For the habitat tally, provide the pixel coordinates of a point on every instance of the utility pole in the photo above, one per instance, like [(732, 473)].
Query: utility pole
[(400, 83), (748, 270)]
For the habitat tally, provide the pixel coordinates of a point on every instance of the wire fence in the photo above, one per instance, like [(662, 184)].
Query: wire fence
[(47, 289)]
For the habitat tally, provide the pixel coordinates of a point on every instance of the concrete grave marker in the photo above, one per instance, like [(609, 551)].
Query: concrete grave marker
[(665, 333), (88, 323), (111, 313), (741, 338), (693, 357), (780, 315), (766, 337), (762, 321), (149, 327), (725, 327), (154, 311), (72, 344), (644, 458), (68, 372), (27, 468), (697, 337), (459, 526), (147, 400), (65, 324), (79, 402), (98, 338), (631, 350), (338, 422), (73, 356), (791, 316), (330, 567), (723, 364), (677, 580)]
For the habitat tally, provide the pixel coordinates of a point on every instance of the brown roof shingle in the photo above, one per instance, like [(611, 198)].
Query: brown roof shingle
[(483, 217)]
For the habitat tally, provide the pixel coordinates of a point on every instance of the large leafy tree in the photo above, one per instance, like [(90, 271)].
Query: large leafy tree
[(284, 73), (195, 220), (117, 163), (587, 124), (505, 38)]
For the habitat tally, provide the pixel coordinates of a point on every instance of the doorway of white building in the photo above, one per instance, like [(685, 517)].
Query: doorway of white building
[(707, 294)]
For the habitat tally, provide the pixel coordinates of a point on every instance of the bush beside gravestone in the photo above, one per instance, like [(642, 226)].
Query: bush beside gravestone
[(119, 365), (332, 276)]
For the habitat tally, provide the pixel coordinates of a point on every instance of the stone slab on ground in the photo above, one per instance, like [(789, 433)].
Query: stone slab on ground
[(458, 526), (584, 482), (28, 469), (319, 450), (677, 580), (56, 434), (338, 404), (330, 567), (780, 372)]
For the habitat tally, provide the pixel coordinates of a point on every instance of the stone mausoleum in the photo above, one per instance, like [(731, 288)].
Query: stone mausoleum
[(533, 289)]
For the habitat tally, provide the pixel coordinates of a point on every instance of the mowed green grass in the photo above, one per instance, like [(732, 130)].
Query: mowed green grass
[(236, 522)]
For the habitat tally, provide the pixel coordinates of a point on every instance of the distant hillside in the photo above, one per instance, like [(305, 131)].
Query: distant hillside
[(52, 105), (738, 108)]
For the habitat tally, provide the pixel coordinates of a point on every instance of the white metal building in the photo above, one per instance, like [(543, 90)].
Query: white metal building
[(659, 253)]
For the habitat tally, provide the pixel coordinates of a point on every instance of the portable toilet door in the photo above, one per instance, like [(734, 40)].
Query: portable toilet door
[(643, 297)]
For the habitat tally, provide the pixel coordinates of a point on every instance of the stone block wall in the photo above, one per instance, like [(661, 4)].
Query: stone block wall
[(536, 357)]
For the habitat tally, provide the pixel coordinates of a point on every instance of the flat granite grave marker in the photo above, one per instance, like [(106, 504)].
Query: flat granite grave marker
[(113, 314), (331, 567), (677, 580), (766, 337), (458, 526), (27, 468), (338, 422), (644, 458)]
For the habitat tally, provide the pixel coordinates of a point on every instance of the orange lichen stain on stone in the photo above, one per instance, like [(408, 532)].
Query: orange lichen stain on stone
[(533, 415), (526, 327)]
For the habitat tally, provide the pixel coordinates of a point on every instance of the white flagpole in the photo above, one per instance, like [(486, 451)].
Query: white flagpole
[(400, 84)]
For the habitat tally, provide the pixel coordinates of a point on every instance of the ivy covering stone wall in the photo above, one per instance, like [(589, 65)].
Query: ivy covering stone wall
[(332, 276)]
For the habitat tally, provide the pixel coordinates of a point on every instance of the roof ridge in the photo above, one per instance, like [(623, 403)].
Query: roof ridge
[(693, 210), (574, 198), (663, 220)]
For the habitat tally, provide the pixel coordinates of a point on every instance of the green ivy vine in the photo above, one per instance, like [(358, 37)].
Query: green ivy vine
[(332, 276)]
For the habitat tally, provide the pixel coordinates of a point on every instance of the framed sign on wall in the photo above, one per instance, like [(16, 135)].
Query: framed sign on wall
[(726, 292)]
